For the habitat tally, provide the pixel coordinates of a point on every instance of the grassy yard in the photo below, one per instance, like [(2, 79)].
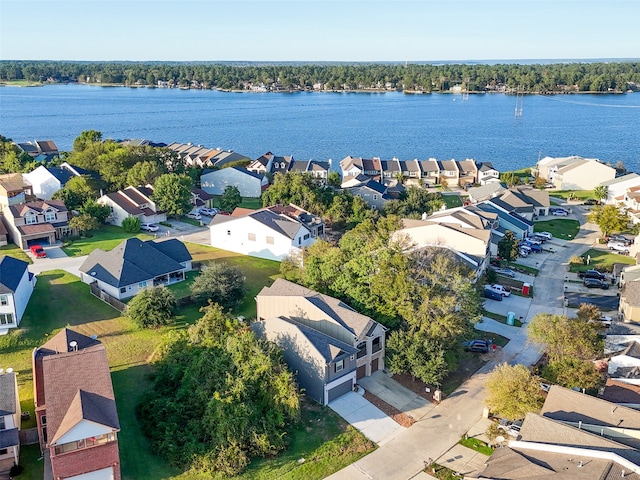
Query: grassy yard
[(477, 445), (523, 174), (501, 318), (563, 229), (572, 194), (107, 238), (525, 269), (452, 200), (14, 251), (252, 203), (602, 260)]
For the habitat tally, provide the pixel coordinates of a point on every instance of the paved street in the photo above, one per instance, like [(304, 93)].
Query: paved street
[(440, 429)]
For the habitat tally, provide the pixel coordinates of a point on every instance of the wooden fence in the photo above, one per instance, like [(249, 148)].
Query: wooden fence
[(105, 297)]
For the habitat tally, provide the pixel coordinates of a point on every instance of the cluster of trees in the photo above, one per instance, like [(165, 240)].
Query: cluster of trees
[(220, 397), (426, 297), (610, 218), (596, 77)]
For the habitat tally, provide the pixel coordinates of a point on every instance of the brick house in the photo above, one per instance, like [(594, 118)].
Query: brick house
[(75, 408)]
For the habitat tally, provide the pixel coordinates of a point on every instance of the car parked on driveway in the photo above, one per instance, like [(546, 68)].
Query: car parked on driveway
[(507, 272), (532, 246), (149, 227), (38, 251), (209, 212), (195, 216), (479, 346), (511, 428), (560, 212), (490, 294), (546, 235), (595, 283), (618, 247), (592, 274), (496, 287), (620, 239), (590, 201)]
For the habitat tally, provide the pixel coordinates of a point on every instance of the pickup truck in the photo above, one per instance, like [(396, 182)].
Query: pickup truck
[(592, 274), (498, 289)]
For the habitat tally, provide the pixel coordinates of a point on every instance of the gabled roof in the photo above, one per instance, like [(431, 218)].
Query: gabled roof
[(60, 342), (13, 182), (300, 165), (621, 392), (449, 165), (371, 184), (134, 261), (371, 165), (318, 166), (489, 190), (632, 349), (335, 310), (285, 226), (390, 165), (63, 175), (623, 178), (534, 196), (7, 393), (38, 206), (486, 166), (27, 147), (429, 165), (198, 192), (467, 166), (11, 272), (46, 146), (631, 293), (349, 162)]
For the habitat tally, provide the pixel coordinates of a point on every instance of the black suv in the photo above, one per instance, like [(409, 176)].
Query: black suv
[(595, 283), (592, 274)]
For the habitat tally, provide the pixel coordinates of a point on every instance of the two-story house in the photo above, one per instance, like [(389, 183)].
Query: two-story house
[(75, 408), (16, 286), (37, 222), (324, 341), (10, 415), (14, 190), (487, 174), (468, 172), (449, 172), (429, 171), (249, 184), (132, 202)]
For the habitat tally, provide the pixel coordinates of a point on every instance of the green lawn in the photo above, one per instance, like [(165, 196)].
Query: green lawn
[(107, 238), (452, 200), (13, 251), (477, 445), (523, 174), (572, 194), (501, 318), (602, 260), (561, 228), (525, 268), (252, 203)]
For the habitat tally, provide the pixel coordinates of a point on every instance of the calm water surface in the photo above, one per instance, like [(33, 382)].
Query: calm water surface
[(332, 125)]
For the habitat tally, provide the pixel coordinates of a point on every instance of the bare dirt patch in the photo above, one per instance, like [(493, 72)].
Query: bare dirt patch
[(398, 416)]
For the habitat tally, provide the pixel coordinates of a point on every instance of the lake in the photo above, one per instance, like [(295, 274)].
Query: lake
[(333, 125)]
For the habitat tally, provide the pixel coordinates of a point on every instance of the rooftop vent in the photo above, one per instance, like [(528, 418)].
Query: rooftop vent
[(73, 346), (94, 337), (9, 370)]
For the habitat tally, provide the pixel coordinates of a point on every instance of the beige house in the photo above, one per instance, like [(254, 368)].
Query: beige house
[(468, 172), (37, 222), (574, 173), (629, 308)]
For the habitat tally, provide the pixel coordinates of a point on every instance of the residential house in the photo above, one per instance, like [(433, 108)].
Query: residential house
[(390, 170), (629, 307), (200, 198), (45, 181), (229, 156), (273, 233), (410, 170), (508, 220), (281, 164), (429, 171), (351, 167), (132, 202), (621, 393), (39, 222), (10, 416), (371, 191), (75, 408), (624, 359), (574, 173), (28, 148), (39, 147), (324, 341), (14, 190), (468, 172), (449, 172), (617, 187), (16, 287), (250, 184), (538, 199), (262, 164), (135, 265), (318, 170), (487, 173), (510, 202), (486, 191)]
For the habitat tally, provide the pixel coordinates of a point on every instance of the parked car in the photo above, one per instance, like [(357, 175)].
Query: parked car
[(480, 346), (195, 216), (524, 251), (559, 212), (590, 201), (620, 239), (595, 283), (539, 238), (209, 212), (507, 272), (532, 246), (533, 240), (490, 294), (605, 321), (38, 251), (510, 428), (149, 227), (496, 287), (546, 235), (618, 247), (592, 274)]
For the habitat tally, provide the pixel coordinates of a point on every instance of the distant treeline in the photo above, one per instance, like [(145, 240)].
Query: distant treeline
[(536, 78)]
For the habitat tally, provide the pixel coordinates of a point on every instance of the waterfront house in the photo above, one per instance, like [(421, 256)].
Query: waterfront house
[(39, 222), (487, 173), (249, 184), (449, 172), (617, 187), (371, 191), (468, 172), (430, 171), (75, 408), (324, 341), (132, 202), (14, 189), (574, 173)]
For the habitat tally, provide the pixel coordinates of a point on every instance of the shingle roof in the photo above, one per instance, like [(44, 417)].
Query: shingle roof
[(59, 343), (131, 262), (624, 178), (429, 166), (39, 206), (63, 175), (621, 392), (282, 225), (172, 248), (632, 349), (631, 293), (486, 191), (7, 393), (486, 166), (13, 182), (335, 309), (11, 272)]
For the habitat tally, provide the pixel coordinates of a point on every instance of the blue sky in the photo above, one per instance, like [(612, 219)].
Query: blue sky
[(318, 30)]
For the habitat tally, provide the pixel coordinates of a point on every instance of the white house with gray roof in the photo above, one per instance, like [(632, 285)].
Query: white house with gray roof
[(10, 413), (248, 183), (135, 265), (16, 287), (272, 233), (327, 343), (617, 187)]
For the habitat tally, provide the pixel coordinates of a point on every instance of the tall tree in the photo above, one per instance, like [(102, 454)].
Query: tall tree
[(219, 283), (512, 391), (230, 198), (566, 337), (610, 218), (508, 246), (85, 139), (172, 193), (152, 307)]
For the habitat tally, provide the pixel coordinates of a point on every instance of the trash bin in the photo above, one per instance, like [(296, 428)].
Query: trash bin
[(510, 318), (526, 288)]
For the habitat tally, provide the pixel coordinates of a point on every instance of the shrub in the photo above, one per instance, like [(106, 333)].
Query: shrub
[(131, 225), (152, 307), (221, 283)]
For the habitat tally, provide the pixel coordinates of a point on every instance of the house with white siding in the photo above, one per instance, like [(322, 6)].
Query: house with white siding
[(249, 184), (132, 202), (10, 417), (16, 287)]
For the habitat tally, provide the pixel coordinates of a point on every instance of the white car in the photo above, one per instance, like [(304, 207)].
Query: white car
[(618, 247), (512, 428), (560, 213), (496, 287), (546, 235), (209, 212), (533, 240), (149, 227), (195, 216)]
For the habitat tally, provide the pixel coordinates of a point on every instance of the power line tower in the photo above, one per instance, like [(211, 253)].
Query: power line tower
[(519, 102)]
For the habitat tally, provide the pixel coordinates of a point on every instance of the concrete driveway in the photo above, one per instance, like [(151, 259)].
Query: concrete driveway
[(366, 417), (512, 303)]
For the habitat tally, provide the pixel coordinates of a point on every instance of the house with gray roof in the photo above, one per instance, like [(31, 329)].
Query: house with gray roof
[(135, 265), (250, 184), (486, 191), (487, 173), (429, 171), (16, 286), (371, 191), (273, 233), (132, 202), (75, 408), (10, 414), (327, 343), (39, 222)]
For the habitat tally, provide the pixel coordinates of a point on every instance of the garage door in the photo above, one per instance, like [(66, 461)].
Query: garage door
[(38, 241), (361, 372), (339, 390), (375, 365)]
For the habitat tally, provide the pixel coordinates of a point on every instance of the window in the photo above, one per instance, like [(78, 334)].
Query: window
[(252, 237), (299, 240), (4, 300), (142, 284), (306, 237), (375, 197), (31, 218), (376, 345), (6, 318), (43, 420), (123, 290), (2, 424), (49, 215), (270, 240), (3, 451), (339, 365), (228, 232)]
